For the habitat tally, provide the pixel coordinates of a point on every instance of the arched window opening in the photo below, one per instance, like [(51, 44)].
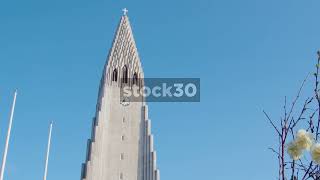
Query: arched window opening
[(125, 75), (135, 79), (115, 75)]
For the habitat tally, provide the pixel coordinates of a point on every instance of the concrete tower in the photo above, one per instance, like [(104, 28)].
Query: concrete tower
[(121, 144)]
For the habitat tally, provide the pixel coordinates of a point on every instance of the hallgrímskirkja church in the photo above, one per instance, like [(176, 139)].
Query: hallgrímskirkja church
[(121, 143)]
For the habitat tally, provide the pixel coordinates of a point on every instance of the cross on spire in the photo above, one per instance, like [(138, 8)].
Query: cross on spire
[(125, 11)]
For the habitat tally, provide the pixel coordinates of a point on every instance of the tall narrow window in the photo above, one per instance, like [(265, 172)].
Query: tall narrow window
[(135, 79), (125, 74), (115, 75)]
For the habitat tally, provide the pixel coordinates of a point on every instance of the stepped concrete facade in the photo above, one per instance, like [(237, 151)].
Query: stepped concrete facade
[(121, 144)]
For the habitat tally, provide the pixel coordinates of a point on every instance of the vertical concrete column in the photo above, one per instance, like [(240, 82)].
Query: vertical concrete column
[(154, 165), (157, 174), (148, 149), (145, 151), (151, 157)]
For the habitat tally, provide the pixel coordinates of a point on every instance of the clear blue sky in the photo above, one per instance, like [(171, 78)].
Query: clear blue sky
[(249, 54)]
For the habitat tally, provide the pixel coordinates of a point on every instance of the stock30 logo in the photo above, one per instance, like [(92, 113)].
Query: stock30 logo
[(164, 90)]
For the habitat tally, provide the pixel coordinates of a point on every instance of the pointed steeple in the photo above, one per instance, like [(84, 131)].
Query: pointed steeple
[(124, 53)]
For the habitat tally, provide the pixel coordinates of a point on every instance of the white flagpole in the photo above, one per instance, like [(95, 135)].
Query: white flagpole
[(4, 158), (48, 152)]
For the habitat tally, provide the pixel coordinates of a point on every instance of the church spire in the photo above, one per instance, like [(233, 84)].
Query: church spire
[(121, 143), (123, 58), (123, 55)]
